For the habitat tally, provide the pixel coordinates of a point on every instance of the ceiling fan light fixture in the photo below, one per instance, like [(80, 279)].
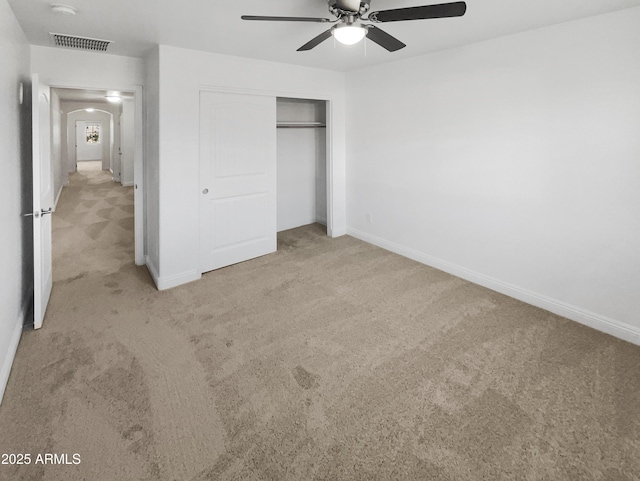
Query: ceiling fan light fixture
[(63, 9), (349, 33)]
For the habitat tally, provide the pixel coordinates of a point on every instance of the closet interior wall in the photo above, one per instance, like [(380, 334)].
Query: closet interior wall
[(301, 163)]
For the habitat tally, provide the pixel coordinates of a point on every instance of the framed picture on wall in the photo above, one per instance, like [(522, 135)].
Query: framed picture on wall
[(93, 133)]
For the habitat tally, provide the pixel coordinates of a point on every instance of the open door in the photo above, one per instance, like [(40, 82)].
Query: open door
[(237, 178), (42, 199), (138, 180), (119, 159)]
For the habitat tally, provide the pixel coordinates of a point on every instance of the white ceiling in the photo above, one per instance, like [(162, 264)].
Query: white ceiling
[(215, 26)]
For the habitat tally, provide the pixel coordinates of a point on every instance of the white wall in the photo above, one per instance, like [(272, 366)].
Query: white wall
[(296, 171), (321, 175), (127, 142), (183, 73), (61, 67), (152, 161), (16, 243), (513, 162)]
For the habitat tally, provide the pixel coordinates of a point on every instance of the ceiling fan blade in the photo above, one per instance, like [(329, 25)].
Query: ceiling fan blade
[(285, 19), (383, 39), (315, 41), (348, 5), (442, 10)]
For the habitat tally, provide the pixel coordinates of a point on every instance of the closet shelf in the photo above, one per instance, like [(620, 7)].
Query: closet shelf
[(299, 125)]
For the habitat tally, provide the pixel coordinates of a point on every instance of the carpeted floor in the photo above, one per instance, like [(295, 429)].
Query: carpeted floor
[(328, 360), (92, 225)]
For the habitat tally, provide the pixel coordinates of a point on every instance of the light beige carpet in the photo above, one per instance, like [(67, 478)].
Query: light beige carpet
[(92, 225), (329, 360)]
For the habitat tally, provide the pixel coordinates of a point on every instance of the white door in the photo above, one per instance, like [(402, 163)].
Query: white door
[(119, 159), (138, 178), (42, 199), (237, 178)]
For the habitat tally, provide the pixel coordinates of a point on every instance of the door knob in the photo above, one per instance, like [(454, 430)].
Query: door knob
[(205, 191), (38, 214)]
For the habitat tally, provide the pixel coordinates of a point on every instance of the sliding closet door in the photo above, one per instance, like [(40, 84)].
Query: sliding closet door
[(237, 178)]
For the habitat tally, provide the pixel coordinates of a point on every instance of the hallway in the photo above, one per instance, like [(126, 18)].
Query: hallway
[(92, 225)]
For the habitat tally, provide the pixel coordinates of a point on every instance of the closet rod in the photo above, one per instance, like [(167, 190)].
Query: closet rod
[(301, 126)]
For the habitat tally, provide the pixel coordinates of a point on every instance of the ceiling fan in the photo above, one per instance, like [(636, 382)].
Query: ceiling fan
[(349, 14)]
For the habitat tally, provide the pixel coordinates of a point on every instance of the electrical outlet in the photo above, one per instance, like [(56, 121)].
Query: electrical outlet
[(369, 218)]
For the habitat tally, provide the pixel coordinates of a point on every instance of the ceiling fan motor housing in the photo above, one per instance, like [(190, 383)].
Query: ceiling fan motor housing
[(359, 7)]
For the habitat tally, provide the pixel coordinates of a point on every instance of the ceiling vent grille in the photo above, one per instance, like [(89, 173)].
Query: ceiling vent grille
[(83, 43)]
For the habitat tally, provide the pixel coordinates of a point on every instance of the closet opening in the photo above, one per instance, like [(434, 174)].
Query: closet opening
[(301, 147)]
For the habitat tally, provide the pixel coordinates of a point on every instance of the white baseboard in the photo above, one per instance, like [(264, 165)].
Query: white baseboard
[(127, 184), (14, 340), (296, 223), (153, 270), (340, 232), (177, 280), (601, 323), (163, 283), (55, 202), (321, 220)]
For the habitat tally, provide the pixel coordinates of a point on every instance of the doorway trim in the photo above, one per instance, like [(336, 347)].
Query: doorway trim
[(138, 159), (75, 155)]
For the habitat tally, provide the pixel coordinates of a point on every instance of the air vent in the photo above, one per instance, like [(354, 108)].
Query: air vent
[(83, 43)]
